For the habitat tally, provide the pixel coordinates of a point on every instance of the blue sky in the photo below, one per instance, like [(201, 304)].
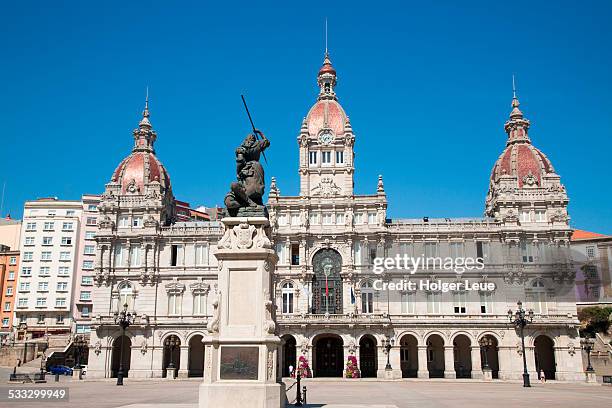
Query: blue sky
[(427, 87)]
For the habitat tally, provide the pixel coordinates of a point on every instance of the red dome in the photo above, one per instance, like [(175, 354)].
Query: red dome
[(138, 169), (327, 68), (326, 114), (522, 160)]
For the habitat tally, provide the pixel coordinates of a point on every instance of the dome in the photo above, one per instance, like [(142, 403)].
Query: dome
[(326, 114), (137, 170)]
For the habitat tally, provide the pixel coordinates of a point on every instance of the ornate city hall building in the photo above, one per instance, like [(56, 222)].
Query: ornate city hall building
[(331, 302)]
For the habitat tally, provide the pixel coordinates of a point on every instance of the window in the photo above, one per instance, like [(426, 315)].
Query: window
[(85, 295), (590, 252), (199, 302), (45, 256), (314, 218), (459, 300), (22, 302), (26, 271), (456, 250), (287, 293), (372, 218), (527, 251), (538, 297), (44, 271), (201, 253), (295, 254), (31, 226), (5, 322), (67, 226), (41, 319), (367, 298), (340, 218), (312, 157), (41, 302), (85, 311), (357, 247), (525, 216), (59, 319), (433, 302), (137, 222), (66, 240), (177, 256), (86, 280), (48, 226), (89, 249), (63, 271), (126, 296), (28, 256), (124, 221), (92, 207), (90, 235), (91, 221), (43, 286), (282, 250), (408, 302), (7, 306), (358, 218), (485, 302), (83, 328), (28, 241), (70, 213), (24, 286), (482, 249), (282, 219), (47, 241), (135, 255), (11, 275), (9, 291), (540, 216), (325, 157), (62, 286), (431, 249), (327, 219), (120, 255), (60, 302), (13, 260), (339, 157), (64, 256), (295, 219), (405, 248), (174, 303)]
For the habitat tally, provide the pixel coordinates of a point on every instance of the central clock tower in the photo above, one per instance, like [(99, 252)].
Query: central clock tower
[(326, 143)]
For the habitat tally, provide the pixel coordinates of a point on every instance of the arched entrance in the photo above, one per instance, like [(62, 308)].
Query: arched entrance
[(289, 354), (462, 352), (409, 356), (545, 356), (195, 367), (328, 356), (121, 342), (435, 356), (327, 284), (172, 354), (489, 356), (368, 361)]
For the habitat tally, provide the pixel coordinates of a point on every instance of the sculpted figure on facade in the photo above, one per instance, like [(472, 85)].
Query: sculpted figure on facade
[(245, 196)]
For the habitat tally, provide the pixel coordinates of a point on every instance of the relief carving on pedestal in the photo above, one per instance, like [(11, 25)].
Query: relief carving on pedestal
[(213, 325)]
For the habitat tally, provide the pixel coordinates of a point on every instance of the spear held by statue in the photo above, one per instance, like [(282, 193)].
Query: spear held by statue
[(256, 132)]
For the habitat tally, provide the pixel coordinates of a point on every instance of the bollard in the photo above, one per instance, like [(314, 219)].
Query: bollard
[(56, 377), (298, 396), (304, 394)]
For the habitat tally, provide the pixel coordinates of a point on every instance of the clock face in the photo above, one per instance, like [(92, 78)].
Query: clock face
[(326, 137)]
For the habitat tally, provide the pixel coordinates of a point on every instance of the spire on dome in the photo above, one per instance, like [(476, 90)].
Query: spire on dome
[(144, 135), (327, 75), (517, 126)]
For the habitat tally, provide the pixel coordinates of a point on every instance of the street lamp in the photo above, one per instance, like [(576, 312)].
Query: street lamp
[(387, 344), (587, 345), (79, 344), (124, 319), (520, 319), (485, 343), (171, 342)]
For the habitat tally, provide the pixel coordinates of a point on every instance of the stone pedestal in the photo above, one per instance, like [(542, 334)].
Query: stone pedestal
[(242, 348), (170, 373), (77, 373), (590, 377), (487, 374)]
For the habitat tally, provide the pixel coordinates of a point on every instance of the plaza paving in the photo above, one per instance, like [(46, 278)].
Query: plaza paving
[(334, 393)]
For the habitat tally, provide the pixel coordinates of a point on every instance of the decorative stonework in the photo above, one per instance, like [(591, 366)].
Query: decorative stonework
[(326, 188), (213, 325), (245, 236)]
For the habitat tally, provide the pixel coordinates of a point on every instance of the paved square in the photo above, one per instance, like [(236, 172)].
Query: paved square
[(334, 393)]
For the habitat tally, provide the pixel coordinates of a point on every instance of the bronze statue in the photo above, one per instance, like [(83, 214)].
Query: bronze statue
[(246, 194)]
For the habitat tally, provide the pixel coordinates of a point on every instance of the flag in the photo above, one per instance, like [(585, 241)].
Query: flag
[(326, 287), (352, 296)]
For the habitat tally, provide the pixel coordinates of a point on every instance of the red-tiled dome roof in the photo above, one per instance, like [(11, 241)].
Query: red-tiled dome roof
[(522, 160), (326, 114), (138, 169)]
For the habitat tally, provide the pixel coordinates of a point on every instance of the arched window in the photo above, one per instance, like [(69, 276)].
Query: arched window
[(287, 292), (367, 297), (126, 296)]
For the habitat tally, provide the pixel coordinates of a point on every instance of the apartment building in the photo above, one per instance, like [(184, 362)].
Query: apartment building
[(9, 262)]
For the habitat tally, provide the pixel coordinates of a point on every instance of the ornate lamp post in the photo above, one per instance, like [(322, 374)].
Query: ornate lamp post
[(79, 344), (520, 319), (388, 344), (587, 345), (124, 319), (171, 342), (485, 343)]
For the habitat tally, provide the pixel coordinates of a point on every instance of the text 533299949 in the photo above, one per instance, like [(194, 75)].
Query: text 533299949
[(34, 394)]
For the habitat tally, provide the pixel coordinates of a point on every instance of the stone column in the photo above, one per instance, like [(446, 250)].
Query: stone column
[(184, 358), (449, 362), (423, 372), (477, 370), (242, 345)]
